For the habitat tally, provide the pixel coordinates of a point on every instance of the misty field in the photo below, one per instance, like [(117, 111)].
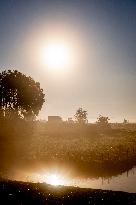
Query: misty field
[(88, 149)]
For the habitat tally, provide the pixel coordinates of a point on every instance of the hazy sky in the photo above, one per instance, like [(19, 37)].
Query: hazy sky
[(102, 37)]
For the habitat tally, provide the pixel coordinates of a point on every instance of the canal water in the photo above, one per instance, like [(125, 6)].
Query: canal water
[(124, 182)]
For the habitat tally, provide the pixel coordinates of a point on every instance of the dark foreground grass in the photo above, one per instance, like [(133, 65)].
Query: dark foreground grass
[(22, 193)]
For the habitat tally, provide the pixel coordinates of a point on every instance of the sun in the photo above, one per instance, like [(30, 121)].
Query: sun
[(57, 56)]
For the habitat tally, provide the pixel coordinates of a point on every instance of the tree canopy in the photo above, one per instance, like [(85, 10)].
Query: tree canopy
[(20, 95), (81, 116), (103, 121)]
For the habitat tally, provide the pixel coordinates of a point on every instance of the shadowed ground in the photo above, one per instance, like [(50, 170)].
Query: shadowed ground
[(22, 193)]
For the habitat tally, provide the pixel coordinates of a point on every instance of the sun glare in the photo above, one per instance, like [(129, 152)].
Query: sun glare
[(54, 179), (56, 56)]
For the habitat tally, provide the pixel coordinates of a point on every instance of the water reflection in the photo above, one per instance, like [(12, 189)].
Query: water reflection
[(51, 178), (55, 180), (124, 182)]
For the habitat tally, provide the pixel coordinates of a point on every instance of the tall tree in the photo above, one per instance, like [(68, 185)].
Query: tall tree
[(20, 95), (81, 116)]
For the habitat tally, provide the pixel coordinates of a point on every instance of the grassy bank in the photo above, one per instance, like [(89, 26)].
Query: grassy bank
[(12, 192)]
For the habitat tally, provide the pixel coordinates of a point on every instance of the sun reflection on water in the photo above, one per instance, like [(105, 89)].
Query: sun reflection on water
[(54, 179)]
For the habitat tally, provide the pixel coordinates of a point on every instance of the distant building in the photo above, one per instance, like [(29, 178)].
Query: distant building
[(70, 120), (54, 119)]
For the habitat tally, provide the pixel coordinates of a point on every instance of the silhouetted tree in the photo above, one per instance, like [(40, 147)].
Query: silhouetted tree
[(103, 121), (20, 96), (81, 116)]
